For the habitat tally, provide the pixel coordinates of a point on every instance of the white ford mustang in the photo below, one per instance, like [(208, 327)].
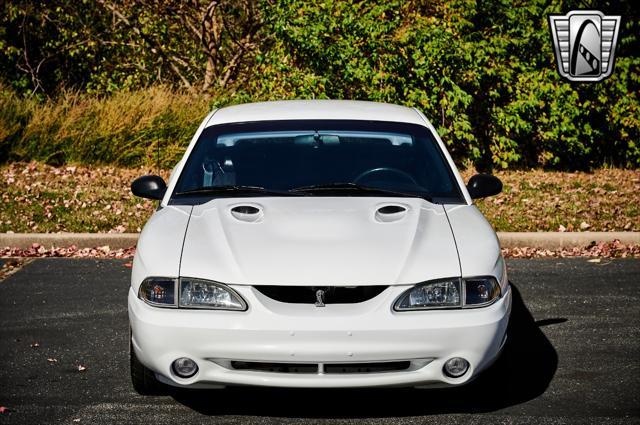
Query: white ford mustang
[(316, 244)]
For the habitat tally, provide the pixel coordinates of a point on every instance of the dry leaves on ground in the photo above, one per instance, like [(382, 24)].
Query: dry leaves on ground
[(614, 249), (37, 198), (42, 198), (551, 201), (37, 250), (11, 266)]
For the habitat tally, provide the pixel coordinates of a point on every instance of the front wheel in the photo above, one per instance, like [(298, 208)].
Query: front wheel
[(143, 379)]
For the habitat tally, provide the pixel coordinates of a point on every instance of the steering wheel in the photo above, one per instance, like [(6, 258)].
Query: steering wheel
[(404, 175)]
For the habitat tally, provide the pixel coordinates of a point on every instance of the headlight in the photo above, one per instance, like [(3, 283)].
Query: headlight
[(158, 291), (449, 293), (189, 293), (196, 293), (440, 294)]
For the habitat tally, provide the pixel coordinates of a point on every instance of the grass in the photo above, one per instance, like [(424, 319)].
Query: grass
[(123, 129), (43, 198), (604, 200)]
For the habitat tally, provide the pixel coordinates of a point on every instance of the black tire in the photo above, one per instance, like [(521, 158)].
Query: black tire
[(143, 379)]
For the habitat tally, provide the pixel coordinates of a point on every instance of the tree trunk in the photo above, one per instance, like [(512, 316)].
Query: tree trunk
[(209, 75)]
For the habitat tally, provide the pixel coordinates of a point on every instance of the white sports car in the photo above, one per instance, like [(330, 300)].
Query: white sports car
[(316, 244)]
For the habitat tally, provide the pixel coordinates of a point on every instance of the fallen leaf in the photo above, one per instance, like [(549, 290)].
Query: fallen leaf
[(584, 225)]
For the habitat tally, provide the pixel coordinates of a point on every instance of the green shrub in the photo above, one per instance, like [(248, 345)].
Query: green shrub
[(483, 72)]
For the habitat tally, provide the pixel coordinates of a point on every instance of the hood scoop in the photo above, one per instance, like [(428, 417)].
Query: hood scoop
[(247, 213), (390, 213)]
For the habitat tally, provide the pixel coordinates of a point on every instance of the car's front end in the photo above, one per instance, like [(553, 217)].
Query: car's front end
[(299, 345), (350, 285)]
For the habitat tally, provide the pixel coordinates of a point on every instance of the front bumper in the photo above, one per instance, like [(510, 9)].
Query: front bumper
[(275, 332)]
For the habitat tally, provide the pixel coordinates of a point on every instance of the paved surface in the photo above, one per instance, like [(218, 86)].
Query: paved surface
[(574, 357)]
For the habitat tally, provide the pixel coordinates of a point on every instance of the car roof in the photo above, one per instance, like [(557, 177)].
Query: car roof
[(315, 110)]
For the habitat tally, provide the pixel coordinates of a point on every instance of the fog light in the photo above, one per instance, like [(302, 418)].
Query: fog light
[(456, 367), (184, 367)]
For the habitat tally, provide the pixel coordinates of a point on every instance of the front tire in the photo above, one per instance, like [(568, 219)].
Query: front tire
[(143, 379)]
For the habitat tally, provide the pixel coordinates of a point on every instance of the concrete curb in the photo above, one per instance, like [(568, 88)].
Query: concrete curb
[(544, 240)]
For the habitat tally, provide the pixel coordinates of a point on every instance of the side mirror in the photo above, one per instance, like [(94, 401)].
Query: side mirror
[(483, 185), (150, 187)]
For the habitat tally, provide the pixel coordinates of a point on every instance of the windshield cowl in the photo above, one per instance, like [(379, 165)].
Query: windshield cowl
[(333, 190), (234, 190), (354, 188)]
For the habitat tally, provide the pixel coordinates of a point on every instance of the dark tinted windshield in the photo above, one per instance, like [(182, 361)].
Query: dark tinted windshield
[(280, 156)]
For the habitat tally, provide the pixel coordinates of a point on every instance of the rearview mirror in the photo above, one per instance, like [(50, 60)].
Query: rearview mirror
[(150, 187), (483, 185)]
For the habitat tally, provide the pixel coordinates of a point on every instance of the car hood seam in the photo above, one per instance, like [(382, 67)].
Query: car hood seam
[(184, 239), (453, 235)]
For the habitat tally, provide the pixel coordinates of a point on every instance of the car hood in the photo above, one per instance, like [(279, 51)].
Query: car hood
[(319, 241)]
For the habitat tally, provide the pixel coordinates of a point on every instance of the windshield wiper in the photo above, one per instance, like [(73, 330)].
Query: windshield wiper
[(217, 190), (330, 187)]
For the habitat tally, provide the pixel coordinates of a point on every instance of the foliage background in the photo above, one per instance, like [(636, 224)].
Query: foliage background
[(97, 81)]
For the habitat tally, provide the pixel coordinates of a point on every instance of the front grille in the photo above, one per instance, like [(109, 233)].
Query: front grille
[(320, 368), (331, 294)]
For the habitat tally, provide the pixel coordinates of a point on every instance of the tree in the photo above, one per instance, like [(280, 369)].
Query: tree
[(105, 45)]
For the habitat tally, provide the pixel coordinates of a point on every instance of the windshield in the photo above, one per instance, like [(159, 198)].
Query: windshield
[(316, 158)]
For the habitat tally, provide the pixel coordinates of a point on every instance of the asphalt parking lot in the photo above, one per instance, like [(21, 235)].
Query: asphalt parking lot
[(573, 357)]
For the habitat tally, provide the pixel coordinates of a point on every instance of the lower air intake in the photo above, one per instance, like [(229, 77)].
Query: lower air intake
[(366, 367), (326, 368), (276, 367)]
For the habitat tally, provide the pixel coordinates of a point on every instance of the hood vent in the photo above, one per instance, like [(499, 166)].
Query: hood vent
[(247, 213), (390, 213)]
